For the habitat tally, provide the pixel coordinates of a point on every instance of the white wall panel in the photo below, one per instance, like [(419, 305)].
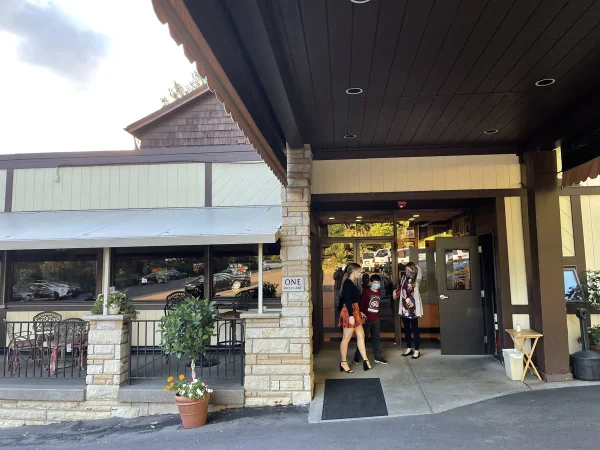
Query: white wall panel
[(436, 173), (566, 226), (244, 185), (109, 187), (590, 216), (2, 189), (516, 251)]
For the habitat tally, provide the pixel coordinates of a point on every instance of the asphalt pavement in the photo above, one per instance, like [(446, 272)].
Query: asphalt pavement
[(546, 419)]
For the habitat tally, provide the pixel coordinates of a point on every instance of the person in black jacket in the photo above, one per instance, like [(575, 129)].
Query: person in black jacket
[(351, 319)]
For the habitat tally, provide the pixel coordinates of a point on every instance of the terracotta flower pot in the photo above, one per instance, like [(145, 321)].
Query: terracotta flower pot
[(193, 412)]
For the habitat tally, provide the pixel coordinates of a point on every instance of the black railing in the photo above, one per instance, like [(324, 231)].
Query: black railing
[(44, 349), (224, 358)]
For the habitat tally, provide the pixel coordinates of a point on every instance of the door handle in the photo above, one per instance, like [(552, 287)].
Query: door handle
[(443, 297)]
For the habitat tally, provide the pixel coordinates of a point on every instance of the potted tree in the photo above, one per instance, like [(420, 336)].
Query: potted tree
[(118, 303), (589, 293), (187, 330)]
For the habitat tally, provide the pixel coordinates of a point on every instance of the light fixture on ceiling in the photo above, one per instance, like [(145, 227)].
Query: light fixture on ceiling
[(332, 218), (411, 219), (354, 91), (359, 217), (416, 215), (545, 82), (491, 131), (349, 136), (358, 220), (359, 2)]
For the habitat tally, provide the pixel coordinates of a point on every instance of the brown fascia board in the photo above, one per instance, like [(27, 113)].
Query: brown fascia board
[(196, 94)]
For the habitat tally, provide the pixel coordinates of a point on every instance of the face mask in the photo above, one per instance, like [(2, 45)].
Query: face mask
[(375, 286)]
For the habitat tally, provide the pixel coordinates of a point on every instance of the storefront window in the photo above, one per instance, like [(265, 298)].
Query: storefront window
[(235, 270), (52, 276), (151, 274)]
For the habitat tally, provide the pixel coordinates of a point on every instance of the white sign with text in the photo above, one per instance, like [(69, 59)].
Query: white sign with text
[(293, 284)]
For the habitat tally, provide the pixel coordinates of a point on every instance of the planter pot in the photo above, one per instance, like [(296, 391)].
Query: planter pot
[(193, 412), (113, 310)]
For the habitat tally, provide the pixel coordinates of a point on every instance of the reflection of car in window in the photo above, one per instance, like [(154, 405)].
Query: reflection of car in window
[(21, 295), (368, 261), (272, 264), (156, 277), (221, 282)]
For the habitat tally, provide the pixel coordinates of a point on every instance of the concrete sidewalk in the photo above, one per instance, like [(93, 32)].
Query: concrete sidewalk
[(533, 420), (431, 384)]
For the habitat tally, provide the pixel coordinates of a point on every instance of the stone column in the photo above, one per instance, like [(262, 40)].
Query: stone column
[(108, 356), (279, 360)]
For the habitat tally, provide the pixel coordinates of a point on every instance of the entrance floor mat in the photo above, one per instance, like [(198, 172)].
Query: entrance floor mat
[(353, 398)]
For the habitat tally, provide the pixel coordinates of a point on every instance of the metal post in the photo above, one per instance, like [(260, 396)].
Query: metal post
[(105, 279), (260, 278)]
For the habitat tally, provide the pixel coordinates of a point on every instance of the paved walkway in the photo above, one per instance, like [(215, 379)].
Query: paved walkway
[(432, 384)]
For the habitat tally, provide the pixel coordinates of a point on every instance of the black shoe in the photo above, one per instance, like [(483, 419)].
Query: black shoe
[(344, 370), (416, 356), (408, 354), (356, 361), (381, 361), (366, 365)]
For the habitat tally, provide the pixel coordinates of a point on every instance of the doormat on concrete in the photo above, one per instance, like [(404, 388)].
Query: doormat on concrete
[(351, 399)]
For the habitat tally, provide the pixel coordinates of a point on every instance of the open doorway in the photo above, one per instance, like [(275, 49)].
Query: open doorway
[(457, 287)]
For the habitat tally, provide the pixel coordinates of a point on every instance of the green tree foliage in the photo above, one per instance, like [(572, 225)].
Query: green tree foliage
[(179, 90)]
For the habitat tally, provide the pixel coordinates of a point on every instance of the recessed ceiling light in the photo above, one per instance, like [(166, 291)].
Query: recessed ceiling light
[(358, 2), (416, 215), (349, 136), (359, 217), (491, 131), (545, 82), (354, 91), (411, 219), (332, 218), (358, 220)]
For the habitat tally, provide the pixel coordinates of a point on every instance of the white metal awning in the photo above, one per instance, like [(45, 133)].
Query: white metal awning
[(139, 227)]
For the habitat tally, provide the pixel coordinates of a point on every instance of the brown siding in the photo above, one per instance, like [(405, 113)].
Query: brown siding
[(203, 122)]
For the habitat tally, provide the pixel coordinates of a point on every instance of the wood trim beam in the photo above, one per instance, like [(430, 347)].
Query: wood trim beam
[(184, 31), (578, 234), (581, 190), (162, 155), (8, 193), (417, 195), (407, 151), (208, 184)]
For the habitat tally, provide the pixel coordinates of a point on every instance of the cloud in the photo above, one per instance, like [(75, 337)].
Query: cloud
[(51, 38)]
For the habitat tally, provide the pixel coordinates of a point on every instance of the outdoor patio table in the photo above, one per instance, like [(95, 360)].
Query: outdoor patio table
[(520, 340)]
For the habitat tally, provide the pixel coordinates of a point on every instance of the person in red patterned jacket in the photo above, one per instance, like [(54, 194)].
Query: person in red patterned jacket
[(369, 306)]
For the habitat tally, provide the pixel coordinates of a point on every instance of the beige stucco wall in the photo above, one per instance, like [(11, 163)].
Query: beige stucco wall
[(574, 332), (516, 251), (436, 173), (109, 187), (590, 215)]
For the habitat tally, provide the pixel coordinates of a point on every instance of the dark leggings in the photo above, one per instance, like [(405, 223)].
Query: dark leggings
[(411, 325)]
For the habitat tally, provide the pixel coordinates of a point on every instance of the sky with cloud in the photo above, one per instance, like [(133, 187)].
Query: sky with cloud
[(74, 73)]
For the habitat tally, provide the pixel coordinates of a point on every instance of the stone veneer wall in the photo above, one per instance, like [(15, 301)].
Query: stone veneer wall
[(279, 359)]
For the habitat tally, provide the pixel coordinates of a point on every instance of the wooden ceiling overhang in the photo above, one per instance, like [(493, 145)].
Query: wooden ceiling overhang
[(438, 77)]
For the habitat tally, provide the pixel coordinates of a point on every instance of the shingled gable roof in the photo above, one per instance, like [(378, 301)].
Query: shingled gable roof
[(167, 110)]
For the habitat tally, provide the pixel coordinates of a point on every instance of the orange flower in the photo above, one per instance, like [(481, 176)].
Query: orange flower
[(172, 384), (170, 379), (181, 377), (168, 388)]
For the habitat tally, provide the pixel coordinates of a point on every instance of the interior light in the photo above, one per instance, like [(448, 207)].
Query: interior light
[(332, 218), (349, 136), (411, 219), (358, 220), (354, 91), (359, 2), (491, 131), (416, 215), (359, 217), (545, 82)]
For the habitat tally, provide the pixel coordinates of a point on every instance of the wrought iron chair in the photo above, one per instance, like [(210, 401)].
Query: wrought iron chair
[(20, 342), (69, 335), (241, 302), (174, 299)]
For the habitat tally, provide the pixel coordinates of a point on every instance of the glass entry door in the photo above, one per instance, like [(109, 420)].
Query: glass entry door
[(334, 258), (377, 258)]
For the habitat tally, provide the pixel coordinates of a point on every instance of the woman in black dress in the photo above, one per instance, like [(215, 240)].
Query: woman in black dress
[(351, 319)]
